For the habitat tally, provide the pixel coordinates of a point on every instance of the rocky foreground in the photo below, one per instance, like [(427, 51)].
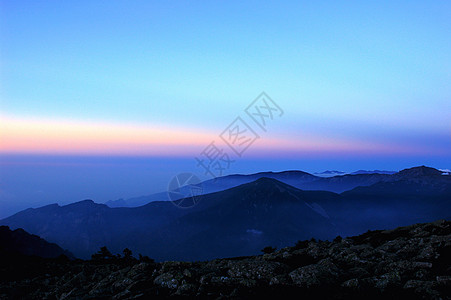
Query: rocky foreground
[(413, 261)]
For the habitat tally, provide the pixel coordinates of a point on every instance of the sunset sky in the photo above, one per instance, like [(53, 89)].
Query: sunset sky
[(361, 85), (148, 78)]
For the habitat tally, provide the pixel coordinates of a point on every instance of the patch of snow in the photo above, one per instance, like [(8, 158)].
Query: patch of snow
[(445, 171)]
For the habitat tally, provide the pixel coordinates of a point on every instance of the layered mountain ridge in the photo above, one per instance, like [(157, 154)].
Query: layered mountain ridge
[(334, 181), (243, 219)]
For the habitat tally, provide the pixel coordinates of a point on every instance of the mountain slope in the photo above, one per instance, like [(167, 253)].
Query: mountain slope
[(163, 231), (240, 220), (21, 242), (85, 226), (414, 195)]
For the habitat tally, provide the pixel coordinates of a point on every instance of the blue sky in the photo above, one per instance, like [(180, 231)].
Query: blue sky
[(362, 84), (187, 63)]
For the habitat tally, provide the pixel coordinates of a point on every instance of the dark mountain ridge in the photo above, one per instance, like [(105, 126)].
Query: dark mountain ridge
[(21, 242), (299, 179), (237, 221)]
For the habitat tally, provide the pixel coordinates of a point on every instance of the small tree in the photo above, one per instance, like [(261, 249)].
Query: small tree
[(146, 259), (338, 239), (127, 253), (301, 244), (102, 254), (268, 250)]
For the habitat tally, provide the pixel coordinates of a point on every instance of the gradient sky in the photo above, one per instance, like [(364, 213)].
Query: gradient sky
[(361, 80), (354, 72)]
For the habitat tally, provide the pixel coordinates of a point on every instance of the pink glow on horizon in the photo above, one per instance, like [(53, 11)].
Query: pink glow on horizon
[(63, 137), (37, 136)]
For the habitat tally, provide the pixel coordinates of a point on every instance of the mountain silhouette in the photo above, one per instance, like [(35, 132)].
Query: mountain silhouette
[(244, 219), (241, 220), (21, 242), (293, 178), (234, 222), (334, 181)]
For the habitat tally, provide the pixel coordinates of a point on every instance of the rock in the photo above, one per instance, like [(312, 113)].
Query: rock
[(263, 270), (444, 280), (388, 280), (353, 284), (409, 262), (279, 280), (186, 289), (122, 295), (357, 273), (315, 275), (167, 280), (187, 273), (426, 289)]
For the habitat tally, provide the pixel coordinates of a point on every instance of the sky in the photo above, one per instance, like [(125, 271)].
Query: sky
[(362, 85)]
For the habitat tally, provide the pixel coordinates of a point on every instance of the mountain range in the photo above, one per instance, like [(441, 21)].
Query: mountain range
[(332, 181), (329, 173), (241, 220)]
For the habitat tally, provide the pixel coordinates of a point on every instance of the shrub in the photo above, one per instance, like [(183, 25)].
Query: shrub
[(127, 253), (146, 259), (301, 244), (338, 239), (268, 250), (102, 254)]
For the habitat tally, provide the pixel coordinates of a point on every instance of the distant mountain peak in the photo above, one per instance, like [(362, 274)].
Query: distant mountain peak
[(267, 183), (271, 173), (265, 191), (87, 202), (419, 172), (266, 180), (84, 204)]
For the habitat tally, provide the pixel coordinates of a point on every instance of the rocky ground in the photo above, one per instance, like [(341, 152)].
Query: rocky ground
[(413, 262)]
